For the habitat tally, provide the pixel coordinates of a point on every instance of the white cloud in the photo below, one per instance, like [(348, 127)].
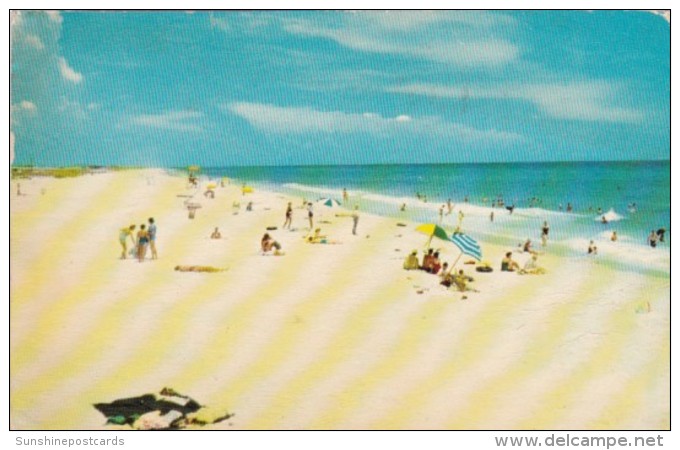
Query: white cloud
[(23, 109), (185, 121), (299, 120), (452, 37), (55, 16), (68, 73), (588, 101), (34, 41)]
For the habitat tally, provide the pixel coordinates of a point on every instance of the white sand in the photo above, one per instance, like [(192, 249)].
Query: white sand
[(325, 337)]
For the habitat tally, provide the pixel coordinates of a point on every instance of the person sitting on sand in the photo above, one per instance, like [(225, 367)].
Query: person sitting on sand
[(123, 236), (268, 243), (249, 206), (445, 277), (460, 280), (507, 264), (427, 260), (436, 264), (209, 192), (592, 248), (216, 234), (142, 242), (411, 262), (207, 269), (531, 267)]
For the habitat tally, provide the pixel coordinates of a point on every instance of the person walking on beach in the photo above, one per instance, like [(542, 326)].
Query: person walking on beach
[(545, 229), (142, 242), (491, 216), (355, 219), (310, 215), (289, 216), (441, 214), (152, 238), (122, 237), (345, 196)]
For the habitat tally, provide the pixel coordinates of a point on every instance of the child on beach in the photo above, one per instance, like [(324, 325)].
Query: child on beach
[(122, 237)]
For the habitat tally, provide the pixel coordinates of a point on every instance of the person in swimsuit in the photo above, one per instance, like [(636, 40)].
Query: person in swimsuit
[(652, 239), (507, 264), (123, 236), (310, 215), (592, 248), (216, 234), (152, 238), (289, 216), (545, 229), (142, 242), (661, 232)]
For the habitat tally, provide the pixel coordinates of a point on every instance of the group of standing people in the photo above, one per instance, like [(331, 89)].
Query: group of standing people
[(144, 239)]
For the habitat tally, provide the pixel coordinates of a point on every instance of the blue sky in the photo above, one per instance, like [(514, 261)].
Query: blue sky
[(276, 88)]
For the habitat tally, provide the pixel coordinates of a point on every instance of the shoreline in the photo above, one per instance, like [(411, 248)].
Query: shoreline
[(286, 334)]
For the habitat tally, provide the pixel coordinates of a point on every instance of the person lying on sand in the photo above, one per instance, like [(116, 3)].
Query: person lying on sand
[(531, 267), (268, 243), (318, 238), (208, 269), (507, 264)]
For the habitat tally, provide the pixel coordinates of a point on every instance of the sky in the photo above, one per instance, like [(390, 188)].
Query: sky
[(170, 89)]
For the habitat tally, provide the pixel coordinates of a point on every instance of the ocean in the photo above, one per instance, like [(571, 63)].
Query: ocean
[(633, 195)]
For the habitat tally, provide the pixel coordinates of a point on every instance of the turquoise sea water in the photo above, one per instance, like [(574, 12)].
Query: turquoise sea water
[(588, 186)]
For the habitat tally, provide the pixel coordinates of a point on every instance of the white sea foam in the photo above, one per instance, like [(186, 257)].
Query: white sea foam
[(610, 216)]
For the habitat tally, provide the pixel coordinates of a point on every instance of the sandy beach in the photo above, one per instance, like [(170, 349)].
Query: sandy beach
[(324, 337)]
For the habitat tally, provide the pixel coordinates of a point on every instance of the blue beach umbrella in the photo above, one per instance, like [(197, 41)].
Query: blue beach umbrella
[(467, 245), (329, 202)]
